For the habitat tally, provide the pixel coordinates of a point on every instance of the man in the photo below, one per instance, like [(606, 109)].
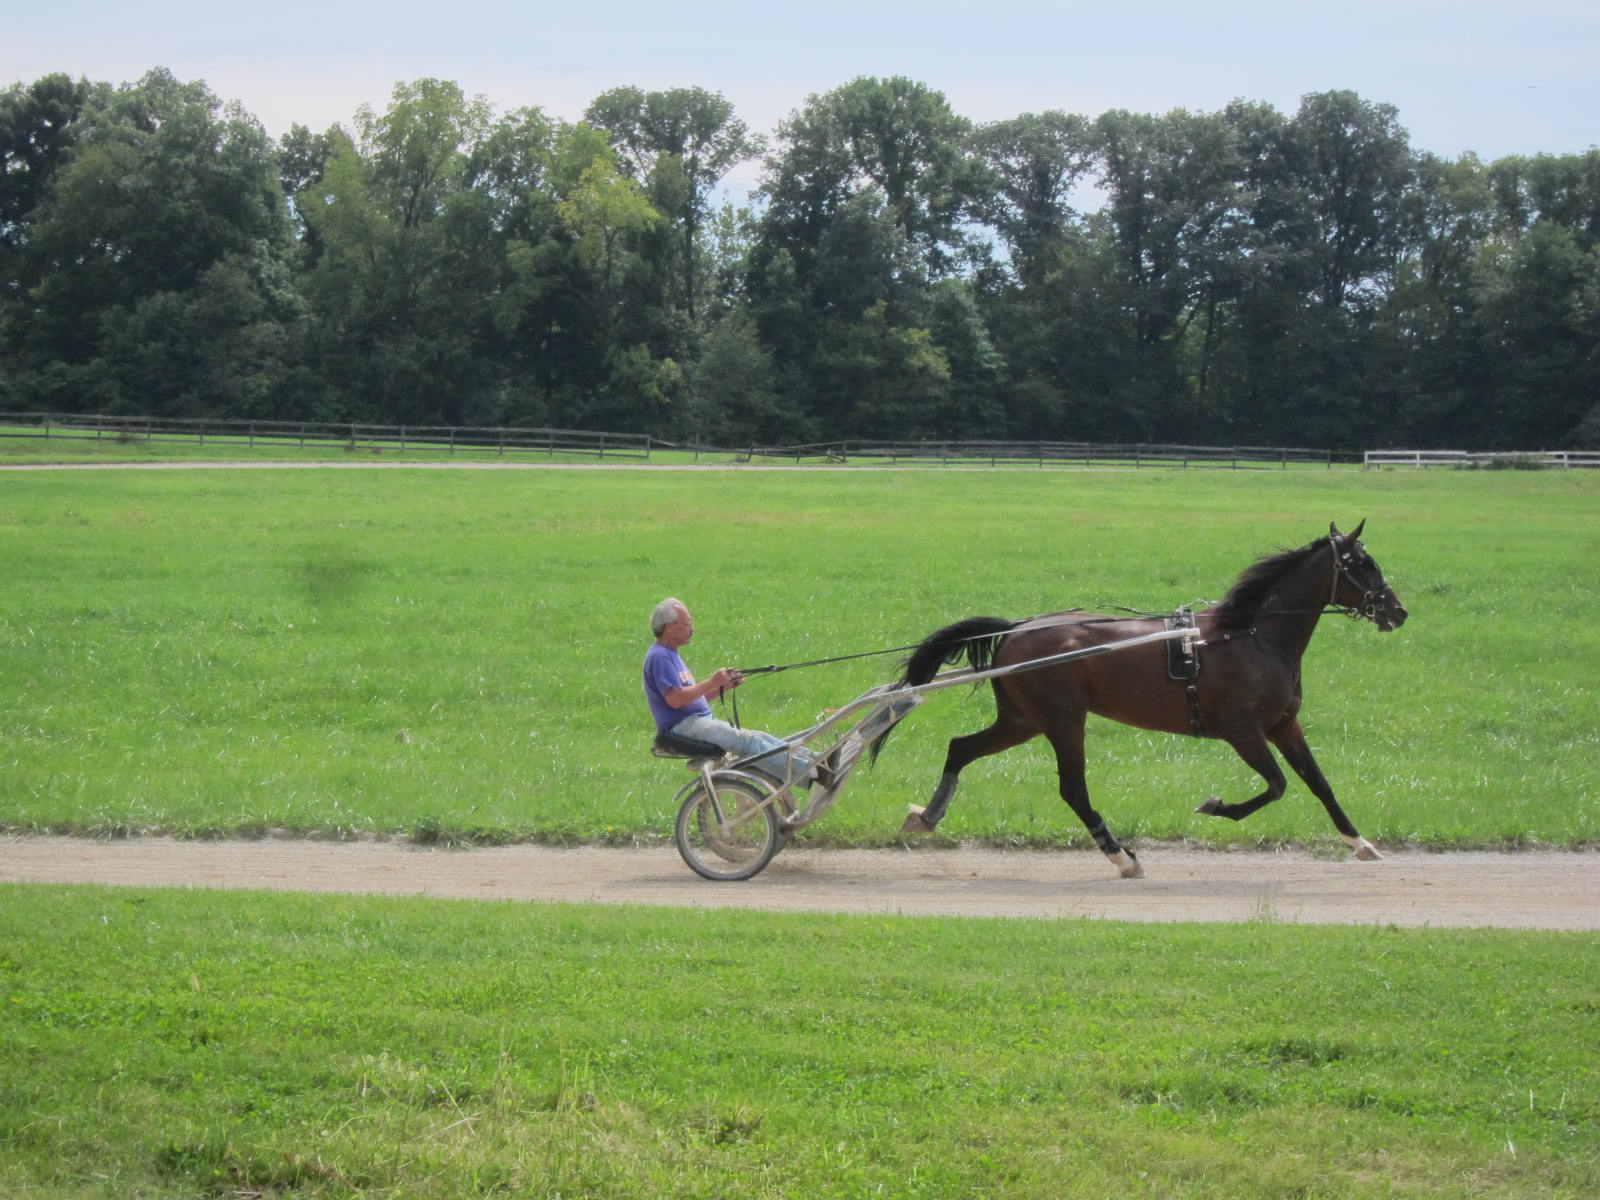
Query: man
[(680, 705)]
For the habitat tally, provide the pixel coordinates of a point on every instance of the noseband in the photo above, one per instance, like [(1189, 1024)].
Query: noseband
[(1373, 600)]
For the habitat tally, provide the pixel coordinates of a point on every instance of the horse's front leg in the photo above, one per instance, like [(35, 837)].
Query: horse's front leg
[(1291, 742), (1253, 748)]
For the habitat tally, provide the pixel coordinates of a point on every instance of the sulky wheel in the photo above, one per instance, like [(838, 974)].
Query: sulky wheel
[(730, 834)]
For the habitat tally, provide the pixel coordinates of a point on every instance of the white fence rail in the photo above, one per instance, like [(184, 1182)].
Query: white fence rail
[(1530, 460)]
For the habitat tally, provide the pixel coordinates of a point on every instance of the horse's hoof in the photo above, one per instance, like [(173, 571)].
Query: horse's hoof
[(1127, 865), (1367, 852), (1208, 807), (914, 822)]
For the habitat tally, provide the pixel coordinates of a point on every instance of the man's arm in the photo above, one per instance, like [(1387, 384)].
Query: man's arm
[(724, 679)]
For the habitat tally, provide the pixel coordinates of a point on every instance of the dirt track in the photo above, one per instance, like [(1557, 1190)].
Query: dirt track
[(1524, 890)]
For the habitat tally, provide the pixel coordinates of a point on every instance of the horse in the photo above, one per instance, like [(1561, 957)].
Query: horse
[(1240, 685)]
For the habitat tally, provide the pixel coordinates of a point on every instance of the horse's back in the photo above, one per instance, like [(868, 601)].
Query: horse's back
[(1060, 633), (1129, 686)]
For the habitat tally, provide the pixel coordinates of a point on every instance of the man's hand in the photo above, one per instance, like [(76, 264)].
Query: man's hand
[(726, 678)]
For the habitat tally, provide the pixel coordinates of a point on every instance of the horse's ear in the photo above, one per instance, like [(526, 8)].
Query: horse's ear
[(1355, 534)]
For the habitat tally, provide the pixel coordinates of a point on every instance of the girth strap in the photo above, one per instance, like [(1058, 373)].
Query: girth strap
[(1183, 665)]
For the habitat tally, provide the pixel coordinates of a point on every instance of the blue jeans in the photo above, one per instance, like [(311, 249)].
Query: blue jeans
[(791, 765)]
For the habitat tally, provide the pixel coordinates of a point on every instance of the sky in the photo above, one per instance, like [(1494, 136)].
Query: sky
[(1489, 78)]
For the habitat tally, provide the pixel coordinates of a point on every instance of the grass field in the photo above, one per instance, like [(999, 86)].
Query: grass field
[(193, 1044), (454, 655)]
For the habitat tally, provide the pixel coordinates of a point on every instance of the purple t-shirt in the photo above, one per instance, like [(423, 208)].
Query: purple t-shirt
[(663, 672)]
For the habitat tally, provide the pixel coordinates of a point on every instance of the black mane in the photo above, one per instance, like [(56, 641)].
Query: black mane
[(1249, 592)]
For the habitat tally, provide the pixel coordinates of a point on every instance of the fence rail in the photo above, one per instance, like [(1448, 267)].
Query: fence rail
[(1530, 460), (1090, 454), (453, 439), (498, 440)]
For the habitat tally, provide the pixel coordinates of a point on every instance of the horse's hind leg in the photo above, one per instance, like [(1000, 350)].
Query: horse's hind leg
[(1068, 743), (1007, 731), (1291, 742)]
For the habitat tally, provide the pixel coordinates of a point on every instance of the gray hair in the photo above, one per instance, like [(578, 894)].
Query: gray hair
[(665, 614)]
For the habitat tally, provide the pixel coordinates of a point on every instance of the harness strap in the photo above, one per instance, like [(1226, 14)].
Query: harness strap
[(1183, 664)]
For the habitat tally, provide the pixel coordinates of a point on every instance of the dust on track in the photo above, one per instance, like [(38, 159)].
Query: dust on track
[(1522, 890)]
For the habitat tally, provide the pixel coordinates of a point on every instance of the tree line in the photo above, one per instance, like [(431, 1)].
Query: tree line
[(1246, 276)]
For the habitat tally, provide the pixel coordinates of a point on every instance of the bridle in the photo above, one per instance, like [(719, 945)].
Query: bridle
[(1374, 601)]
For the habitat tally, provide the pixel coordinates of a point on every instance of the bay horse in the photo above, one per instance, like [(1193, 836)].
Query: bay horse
[(1241, 685)]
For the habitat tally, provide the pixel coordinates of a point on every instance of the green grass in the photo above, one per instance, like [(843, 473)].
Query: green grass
[(454, 655), (191, 1044)]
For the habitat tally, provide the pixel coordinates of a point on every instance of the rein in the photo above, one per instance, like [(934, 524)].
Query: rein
[(1367, 608), (1342, 610)]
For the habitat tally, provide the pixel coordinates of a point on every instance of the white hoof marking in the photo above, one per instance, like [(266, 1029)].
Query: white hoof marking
[(1126, 864), (1365, 850)]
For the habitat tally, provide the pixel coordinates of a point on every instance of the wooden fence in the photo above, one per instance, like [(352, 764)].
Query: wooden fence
[(497, 440), (1087, 454), (452, 439)]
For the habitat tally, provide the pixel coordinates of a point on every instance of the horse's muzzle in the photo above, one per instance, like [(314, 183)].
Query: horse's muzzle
[(1387, 613)]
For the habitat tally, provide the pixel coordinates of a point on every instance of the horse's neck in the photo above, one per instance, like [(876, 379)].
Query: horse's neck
[(1289, 616)]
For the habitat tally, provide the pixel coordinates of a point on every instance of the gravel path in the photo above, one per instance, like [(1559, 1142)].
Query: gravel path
[(1531, 890)]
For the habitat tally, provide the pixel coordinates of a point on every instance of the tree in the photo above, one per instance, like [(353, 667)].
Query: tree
[(1174, 217), (868, 195), (1425, 383), (39, 126), (1036, 162), (1328, 193), (603, 213), (166, 201), (1563, 189), (1352, 164), (407, 256), (733, 396), (683, 142), (1534, 292), (895, 136)]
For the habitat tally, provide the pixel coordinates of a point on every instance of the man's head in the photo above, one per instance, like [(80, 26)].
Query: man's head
[(671, 623)]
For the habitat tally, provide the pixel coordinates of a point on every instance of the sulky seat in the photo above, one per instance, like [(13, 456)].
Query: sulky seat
[(672, 745)]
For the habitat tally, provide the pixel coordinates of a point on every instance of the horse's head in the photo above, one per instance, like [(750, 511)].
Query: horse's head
[(1358, 582)]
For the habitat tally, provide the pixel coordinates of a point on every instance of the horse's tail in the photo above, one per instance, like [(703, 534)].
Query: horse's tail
[(976, 637)]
